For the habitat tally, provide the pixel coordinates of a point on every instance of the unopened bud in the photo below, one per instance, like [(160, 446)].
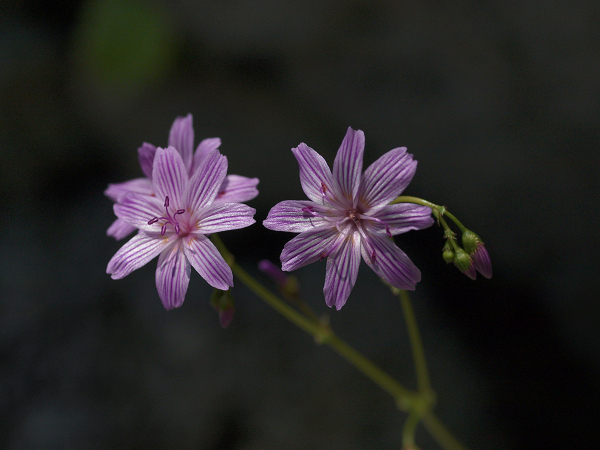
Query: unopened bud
[(465, 263), (222, 302), (448, 253)]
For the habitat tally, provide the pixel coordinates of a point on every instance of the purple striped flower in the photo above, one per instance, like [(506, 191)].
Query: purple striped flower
[(349, 215), (174, 222), (234, 188)]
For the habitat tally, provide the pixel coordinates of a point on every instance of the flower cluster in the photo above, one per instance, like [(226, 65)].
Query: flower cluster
[(349, 215)]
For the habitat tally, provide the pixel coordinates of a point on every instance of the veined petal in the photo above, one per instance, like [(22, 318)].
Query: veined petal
[(389, 262), (119, 229), (386, 178), (224, 216), (204, 147), (237, 189), (172, 276), (291, 215), (116, 191), (169, 176), (347, 166), (181, 137), (146, 156), (342, 269), (315, 175), (482, 262), (208, 262), (136, 253), (206, 181), (137, 210), (403, 217), (307, 247)]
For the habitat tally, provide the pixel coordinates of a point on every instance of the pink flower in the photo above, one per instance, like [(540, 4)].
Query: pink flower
[(234, 188), (174, 222), (349, 215)]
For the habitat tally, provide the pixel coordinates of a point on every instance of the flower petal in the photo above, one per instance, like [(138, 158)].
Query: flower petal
[(169, 176), (389, 262), (291, 215), (224, 216), (137, 210), (181, 137), (204, 147), (206, 181), (172, 276), (386, 178), (342, 269), (403, 217), (237, 189), (347, 166), (119, 229), (146, 156), (116, 191), (134, 254), (482, 261), (307, 247), (207, 261), (315, 175)]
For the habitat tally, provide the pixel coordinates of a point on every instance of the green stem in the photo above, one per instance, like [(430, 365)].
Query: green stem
[(423, 382), (442, 210), (440, 433), (322, 334)]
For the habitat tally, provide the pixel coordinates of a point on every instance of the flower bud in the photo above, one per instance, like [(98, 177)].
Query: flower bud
[(222, 302), (288, 284), (465, 264), (475, 248), (448, 253)]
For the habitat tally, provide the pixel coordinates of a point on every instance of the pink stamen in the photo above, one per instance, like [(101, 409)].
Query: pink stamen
[(169, 219)]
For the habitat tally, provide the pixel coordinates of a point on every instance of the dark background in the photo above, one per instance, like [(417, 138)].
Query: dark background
[(498, 101)]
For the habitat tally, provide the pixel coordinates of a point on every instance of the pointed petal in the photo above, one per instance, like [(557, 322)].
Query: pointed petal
[(116, 191), (347, 166), (389, 262), (386, 178), (119, 229), (146, 156), (137, 210), (237, 189), (315, 175), (172, 276), (293, 216), (169, 177), (307, 247), (204, 148), (482, 261), (208, 262), (136, 253), (342, 269), (224, 216), (181, 137), (403, 217), (206, 181)]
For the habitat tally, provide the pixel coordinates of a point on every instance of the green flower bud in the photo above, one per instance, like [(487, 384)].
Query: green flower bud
[(465, 263), (448, 253), (222, 302), (470, 241)]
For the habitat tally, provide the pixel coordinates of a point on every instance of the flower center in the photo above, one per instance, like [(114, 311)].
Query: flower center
[(169, 219)]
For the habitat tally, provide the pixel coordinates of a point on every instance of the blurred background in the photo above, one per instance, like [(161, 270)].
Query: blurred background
[(498, 101)]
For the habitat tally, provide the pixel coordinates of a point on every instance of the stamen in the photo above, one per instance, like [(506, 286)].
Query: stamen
[(169, 219)]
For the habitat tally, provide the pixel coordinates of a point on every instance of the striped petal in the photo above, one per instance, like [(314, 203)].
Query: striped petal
[(307, 248), (120, 229), (181, 137), (172, 276), (315, 175), (237, 189), (203, 149), (342, 270), (208, 262), (169, 176), (295, 216), (206, 181), (116, 191), (224, 216), (136, 253), (137, 210), (403, 217), (389, 262), (347, 166), (146, 156), (386, 178)]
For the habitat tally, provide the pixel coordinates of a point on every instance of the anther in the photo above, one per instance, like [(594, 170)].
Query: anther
[(169, 219)]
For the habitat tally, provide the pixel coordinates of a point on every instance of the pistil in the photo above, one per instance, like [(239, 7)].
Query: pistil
[(170, 219)]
